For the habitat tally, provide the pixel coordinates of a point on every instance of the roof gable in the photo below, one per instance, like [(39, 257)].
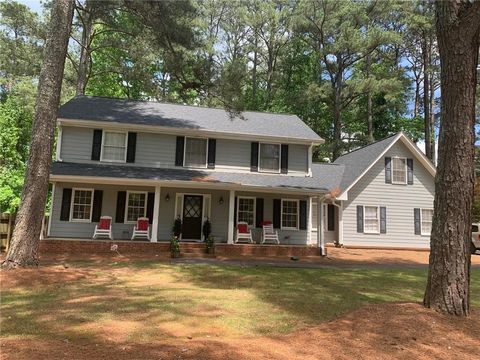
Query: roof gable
[(175, 116), (358, 162)]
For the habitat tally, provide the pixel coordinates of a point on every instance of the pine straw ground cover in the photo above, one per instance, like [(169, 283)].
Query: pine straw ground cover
[(154, 310)]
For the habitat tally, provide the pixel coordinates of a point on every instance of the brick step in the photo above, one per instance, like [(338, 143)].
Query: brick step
[(195, 256), (193, 251)]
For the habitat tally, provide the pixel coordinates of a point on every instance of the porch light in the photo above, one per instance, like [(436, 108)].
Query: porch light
[(167, 197), (220, 201)]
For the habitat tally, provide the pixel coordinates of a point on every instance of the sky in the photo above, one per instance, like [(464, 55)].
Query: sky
[(35, 5)]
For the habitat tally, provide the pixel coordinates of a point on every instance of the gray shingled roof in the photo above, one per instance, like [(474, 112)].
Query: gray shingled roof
[(357, 161), (325, 176), (187, 117)]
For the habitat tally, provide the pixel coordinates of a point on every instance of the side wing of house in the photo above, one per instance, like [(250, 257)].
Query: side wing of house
[(383, 210)]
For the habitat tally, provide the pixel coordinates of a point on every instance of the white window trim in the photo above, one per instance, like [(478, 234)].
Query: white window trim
[(281, 215), (421, 222), (91, 205), (254, 208), (406, 171), (365, 217), (103, 144), (125, 221), (185, 152), (279, 158)]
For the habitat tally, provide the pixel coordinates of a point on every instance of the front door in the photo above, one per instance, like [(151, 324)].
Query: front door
[(192, 217)]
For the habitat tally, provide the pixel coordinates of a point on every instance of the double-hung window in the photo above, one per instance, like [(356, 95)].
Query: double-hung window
[(426, 219), (81, 207), (289, 214), (399, 170), (246, 210), (269, 155), (136, 206), (195, 152), (114, 146), (372, 220)]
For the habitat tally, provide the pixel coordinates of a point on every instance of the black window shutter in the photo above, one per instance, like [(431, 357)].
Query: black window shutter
[(383, 220), (277, 204), (131, 147), (303, 215), (359, 218), (284, 159), (66, 201), (235, 212), (150, 203), (179, 151), (254, 157), (418, 225), (410, 171), (97, 205), (212, 150), (96, 144), (331, 217), (388, 170), (121, 201), (259, 212)]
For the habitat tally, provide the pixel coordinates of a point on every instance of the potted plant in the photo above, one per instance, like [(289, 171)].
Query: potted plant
[(210, 245), (175, 242), (174, 247)]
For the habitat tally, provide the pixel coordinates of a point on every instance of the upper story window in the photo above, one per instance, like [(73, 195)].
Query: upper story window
[(195, 152), (289, 214), (399, 170), (136, 205), (82, 204), (246, 210), (269, 157), (426, 218), (114, 146)]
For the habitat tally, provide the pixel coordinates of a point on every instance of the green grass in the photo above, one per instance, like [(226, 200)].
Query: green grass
[(156, 299)]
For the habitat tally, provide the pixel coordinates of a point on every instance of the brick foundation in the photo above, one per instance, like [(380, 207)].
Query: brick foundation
[(125, 247)]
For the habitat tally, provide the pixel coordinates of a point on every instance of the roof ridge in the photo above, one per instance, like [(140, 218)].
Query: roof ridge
[(365, 146), (177, 104)]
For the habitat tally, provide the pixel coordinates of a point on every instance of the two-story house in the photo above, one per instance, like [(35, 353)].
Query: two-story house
[(131, 159)]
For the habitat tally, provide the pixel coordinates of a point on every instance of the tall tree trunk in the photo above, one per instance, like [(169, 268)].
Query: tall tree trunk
[(85, 51), (426, 95), (254, 74), (368, 62), (28, 225), (337, 125), (458, 33), (432, 118)]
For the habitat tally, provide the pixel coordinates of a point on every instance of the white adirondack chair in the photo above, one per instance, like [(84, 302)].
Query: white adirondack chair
[(104, 227), (243, 233), (269, 235), (142, 229)]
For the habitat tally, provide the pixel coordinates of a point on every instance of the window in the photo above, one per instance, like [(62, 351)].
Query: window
[(246, 210), (371, 221), (114, 146), (399, 170), (136, 206), (82, 203), (269, 157), (426, 218), (290, 214), (195, 152)]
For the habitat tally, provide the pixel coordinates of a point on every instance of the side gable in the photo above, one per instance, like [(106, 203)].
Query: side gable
[(359, 162)]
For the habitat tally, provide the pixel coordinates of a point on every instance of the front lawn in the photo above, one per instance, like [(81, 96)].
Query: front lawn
[(145, 300)]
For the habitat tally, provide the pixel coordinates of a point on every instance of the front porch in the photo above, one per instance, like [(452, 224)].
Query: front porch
[(295, 213)]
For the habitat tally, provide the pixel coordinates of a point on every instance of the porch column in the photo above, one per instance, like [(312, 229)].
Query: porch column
[(320, 226), (51, 211), (310, 220), (340, 224), (231, 211), (156, 213)]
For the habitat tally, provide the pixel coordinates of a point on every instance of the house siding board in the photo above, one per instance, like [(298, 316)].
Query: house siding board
[(233, 154), (219, 214), (297, 158), (399, 201)]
